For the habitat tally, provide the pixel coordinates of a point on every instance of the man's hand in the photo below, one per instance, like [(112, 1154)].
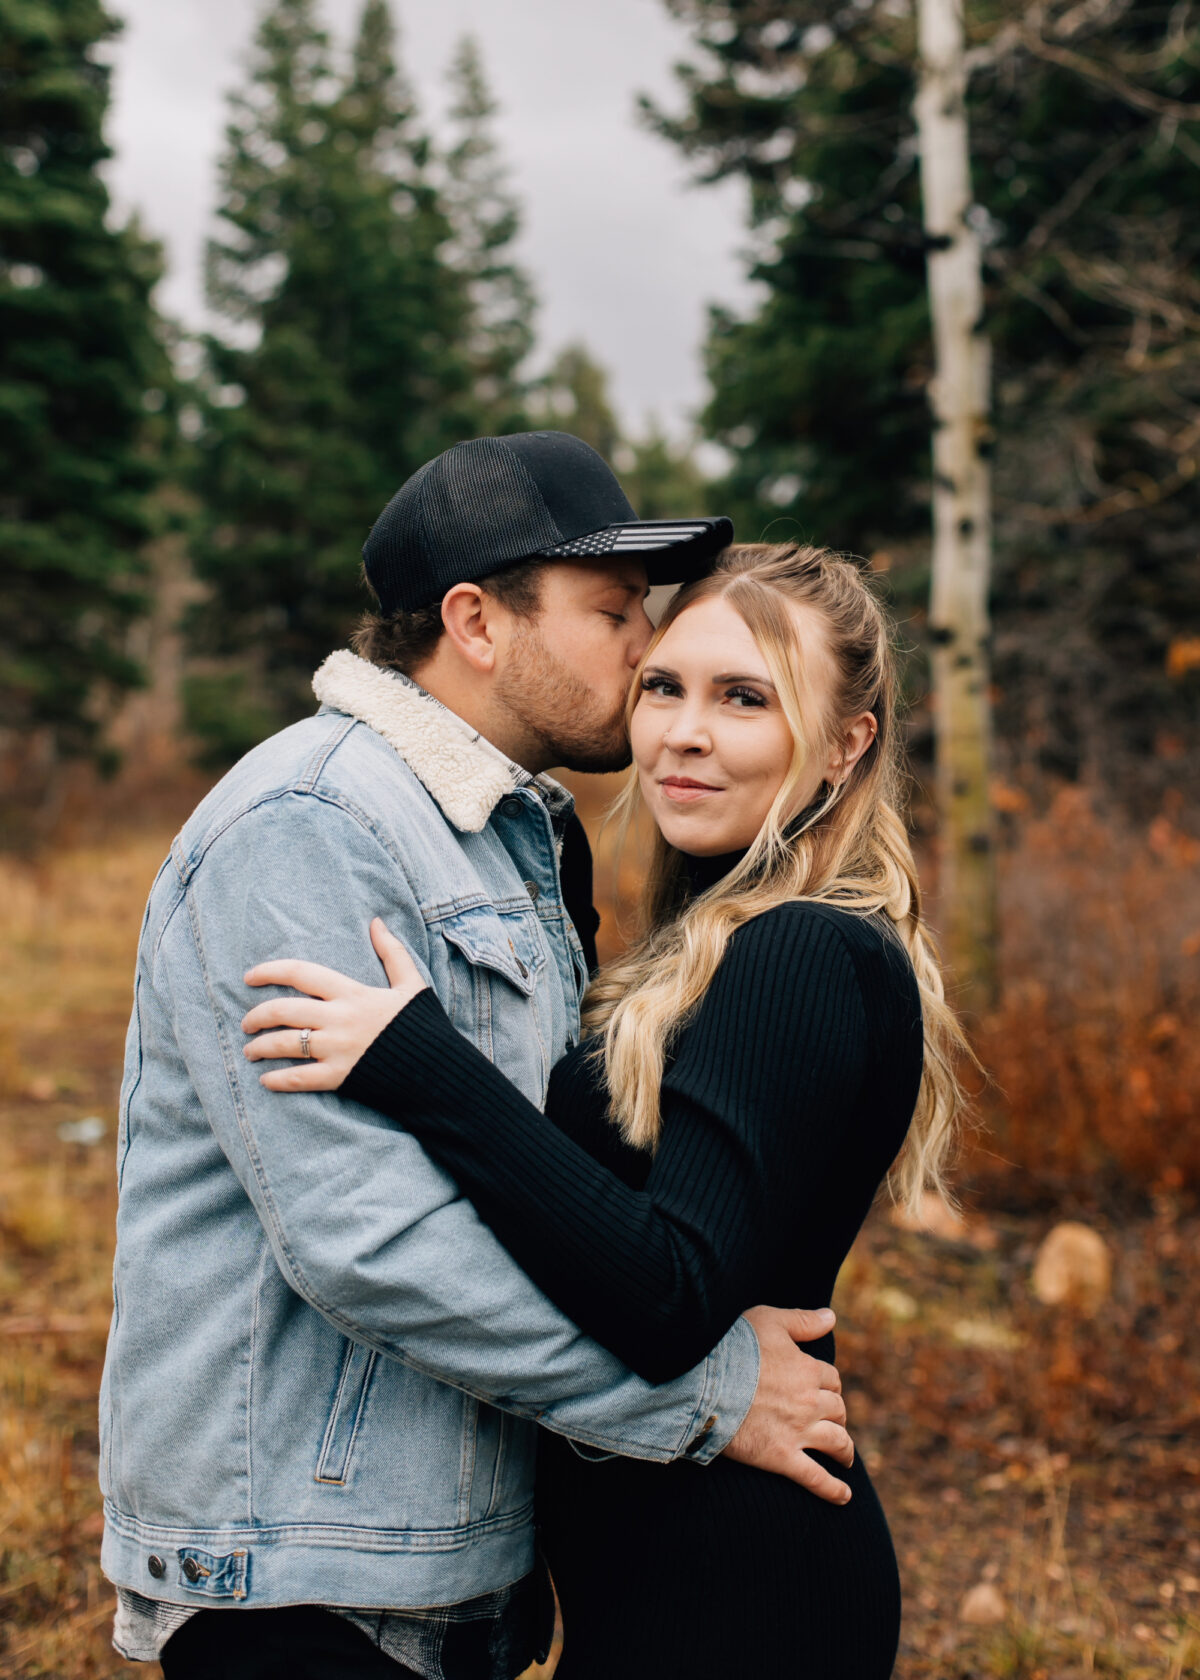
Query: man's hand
[(798, 1404)]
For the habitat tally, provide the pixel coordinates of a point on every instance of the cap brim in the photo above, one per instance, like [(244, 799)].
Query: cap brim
[(673, 550)]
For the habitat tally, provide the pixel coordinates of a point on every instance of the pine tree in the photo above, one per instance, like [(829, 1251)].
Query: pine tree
[(81, 364), (356, 371), (660, 477), (572, 396), (819, 394), (486, 221)]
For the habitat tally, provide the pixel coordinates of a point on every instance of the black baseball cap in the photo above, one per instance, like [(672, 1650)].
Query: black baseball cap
[(492, 501)]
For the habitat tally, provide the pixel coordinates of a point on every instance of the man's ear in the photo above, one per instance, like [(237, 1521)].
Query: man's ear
[(465, 614)]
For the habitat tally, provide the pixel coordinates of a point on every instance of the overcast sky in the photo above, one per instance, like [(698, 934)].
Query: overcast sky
[(626, 255)]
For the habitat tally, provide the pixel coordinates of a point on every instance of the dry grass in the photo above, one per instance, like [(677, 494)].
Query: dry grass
[(1013, 1443), (1054, 1456), (66, 960)]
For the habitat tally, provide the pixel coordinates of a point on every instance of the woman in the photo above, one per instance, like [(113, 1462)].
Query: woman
[(753, 1066)]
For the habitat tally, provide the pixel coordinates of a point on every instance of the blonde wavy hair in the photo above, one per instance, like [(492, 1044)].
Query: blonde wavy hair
[(849, 849)]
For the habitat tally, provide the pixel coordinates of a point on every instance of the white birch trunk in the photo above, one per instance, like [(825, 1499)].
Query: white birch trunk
[(959, 397)]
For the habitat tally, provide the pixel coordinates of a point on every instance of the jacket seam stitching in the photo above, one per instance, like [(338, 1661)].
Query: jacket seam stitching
[(466, 1469), (293, 791), (252, 1152), (304, 783), (262, 1264), (321, 755), (132, 1528), (500, 1465)]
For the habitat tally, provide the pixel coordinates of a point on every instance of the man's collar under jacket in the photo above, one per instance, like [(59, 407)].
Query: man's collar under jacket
[(462, 770)]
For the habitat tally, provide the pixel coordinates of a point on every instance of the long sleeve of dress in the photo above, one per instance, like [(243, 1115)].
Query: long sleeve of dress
[(754, 1108)]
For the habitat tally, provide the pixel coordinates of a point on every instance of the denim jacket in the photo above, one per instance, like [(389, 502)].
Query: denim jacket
[(324, 1372)]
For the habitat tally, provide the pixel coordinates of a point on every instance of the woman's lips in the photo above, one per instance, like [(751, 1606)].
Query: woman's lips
[(681, 791)]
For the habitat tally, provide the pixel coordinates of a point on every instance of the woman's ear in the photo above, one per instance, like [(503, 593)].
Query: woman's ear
[(854, 744)]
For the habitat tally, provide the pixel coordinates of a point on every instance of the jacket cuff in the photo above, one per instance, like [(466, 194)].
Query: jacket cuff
[(730, 1383)]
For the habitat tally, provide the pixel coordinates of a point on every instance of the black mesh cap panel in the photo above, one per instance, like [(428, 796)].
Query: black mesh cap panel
[(482, 507), (399, 531), (471, 511), (578, 486)]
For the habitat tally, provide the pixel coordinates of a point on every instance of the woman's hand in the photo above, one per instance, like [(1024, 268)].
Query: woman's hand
[(335, 1021)]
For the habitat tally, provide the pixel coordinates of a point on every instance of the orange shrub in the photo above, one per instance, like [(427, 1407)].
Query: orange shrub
[(1094, 1051)]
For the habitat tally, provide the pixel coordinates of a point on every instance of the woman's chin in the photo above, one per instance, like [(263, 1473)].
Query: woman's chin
[(692, 828), (694, 842)]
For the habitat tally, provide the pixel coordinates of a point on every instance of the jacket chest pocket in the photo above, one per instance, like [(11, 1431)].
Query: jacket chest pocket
[(495, 963)]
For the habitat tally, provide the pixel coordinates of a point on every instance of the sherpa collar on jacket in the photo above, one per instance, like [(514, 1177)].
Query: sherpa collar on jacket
[(465, 773)]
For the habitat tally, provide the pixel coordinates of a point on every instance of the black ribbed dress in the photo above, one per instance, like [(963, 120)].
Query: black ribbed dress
[(784, 1102)]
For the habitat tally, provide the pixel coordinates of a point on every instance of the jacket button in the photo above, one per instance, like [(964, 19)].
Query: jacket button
[(156, 1566), (191, 1570), (701, 1436), (510, 807), (534, 891)]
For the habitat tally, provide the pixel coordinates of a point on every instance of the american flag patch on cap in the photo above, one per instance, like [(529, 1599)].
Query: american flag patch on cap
[(644, 537)]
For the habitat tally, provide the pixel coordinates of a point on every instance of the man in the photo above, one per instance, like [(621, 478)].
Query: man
[(324, 1372)]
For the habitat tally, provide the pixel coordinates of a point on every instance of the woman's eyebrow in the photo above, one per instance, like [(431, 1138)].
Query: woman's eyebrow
[(744, 676), (662, 671)]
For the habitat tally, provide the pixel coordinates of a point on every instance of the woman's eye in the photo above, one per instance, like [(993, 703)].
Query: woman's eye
[(657, 685), (749, 695)]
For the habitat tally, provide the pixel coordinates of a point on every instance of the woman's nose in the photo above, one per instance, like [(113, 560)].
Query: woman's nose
[(686, 733)]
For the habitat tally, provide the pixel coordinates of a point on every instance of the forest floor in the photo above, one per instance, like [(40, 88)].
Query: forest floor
[(1041, 1468)]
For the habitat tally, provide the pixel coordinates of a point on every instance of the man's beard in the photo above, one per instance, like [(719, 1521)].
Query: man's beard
[(560, 711)]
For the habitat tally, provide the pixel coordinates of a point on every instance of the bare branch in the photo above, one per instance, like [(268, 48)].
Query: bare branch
[(1146, 492), (1185, 144), (1089, 14), (1140, 98), (1134, 290), (1049, 306), (1081, 190)]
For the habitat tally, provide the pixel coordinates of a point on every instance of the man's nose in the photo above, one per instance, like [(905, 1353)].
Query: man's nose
[(643, 630)]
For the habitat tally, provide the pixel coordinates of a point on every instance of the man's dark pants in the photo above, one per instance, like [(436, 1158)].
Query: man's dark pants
[(300, 1642)]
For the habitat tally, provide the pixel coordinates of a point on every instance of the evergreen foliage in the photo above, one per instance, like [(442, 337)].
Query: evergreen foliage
[(1085, 125), (349, 363), (660, 478), (81, 365), (486, 220), (572, 396), (819, 395)]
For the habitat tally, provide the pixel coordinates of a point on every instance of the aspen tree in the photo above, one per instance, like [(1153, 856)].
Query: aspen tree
[(962, 521)]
